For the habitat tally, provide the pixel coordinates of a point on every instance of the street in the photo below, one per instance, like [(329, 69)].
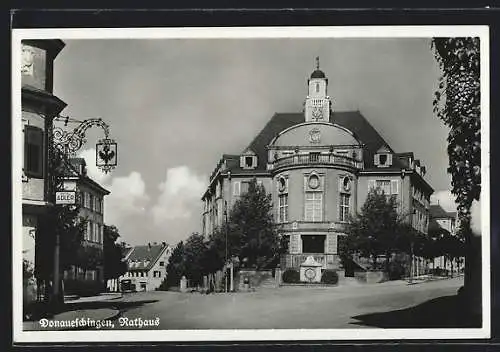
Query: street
[(380, 305)]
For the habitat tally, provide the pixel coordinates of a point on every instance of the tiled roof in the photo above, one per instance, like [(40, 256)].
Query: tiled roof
[(144, 257), (437, 212), (352, 120)]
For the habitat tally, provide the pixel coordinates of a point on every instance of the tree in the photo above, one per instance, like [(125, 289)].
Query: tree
[(457, 104), (252, 234), (194, 254), (176, 265), (114, 265), (377, 230)]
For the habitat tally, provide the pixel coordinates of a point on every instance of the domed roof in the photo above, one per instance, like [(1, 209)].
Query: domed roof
[(318, 74), (318, 133)]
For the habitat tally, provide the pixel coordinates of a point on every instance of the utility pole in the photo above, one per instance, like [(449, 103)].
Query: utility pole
[(227, 230)]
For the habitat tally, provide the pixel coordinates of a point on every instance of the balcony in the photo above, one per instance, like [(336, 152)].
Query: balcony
[(317, 159), (328, 261)]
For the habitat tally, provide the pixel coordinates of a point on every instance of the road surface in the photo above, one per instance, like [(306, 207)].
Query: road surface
[(352, 306)]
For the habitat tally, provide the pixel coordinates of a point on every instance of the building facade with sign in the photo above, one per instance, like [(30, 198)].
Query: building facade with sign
[(319, 166), (39, 107), (90, 197)]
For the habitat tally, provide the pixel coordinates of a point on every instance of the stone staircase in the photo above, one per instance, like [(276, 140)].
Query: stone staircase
[(268, 282)]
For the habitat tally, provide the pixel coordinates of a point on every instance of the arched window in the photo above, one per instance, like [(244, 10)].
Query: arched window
[(317, 87)]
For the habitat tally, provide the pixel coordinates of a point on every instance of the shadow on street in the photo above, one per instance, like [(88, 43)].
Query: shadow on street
[(442, 312)]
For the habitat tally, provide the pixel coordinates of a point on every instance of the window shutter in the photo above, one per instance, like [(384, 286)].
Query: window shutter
[(376, 159), (394, 186), (236, 188), (33, 151), (371, 184), (242, 162), (341, 179), (389, 160)]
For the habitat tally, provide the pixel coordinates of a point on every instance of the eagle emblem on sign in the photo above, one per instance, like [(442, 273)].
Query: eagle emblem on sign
[(314, 136)]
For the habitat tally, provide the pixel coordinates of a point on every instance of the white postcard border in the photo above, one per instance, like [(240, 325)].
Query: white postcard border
[(21, 336)]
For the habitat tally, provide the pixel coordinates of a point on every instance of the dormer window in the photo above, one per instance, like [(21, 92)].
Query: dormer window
[(248, 160), (383, 157), (383, 160)]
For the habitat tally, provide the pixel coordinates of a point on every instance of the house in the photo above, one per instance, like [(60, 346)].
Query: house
[(442, 220), (147, 267), (318, 165), (90, 196), (39, 107)]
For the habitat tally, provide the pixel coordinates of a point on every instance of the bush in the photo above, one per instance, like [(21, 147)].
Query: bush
[(330, 277), (291, 276)]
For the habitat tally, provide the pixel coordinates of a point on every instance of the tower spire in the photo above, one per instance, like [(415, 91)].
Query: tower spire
[(317, 62)]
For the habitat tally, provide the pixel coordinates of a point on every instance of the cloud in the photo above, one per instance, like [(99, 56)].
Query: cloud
[(179, 196), (447, 202), (128, 197), (93, 172), (475, 221), (445, 199), (128, 193)]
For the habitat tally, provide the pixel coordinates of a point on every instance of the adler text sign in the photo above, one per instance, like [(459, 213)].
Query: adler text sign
[(66, 197)]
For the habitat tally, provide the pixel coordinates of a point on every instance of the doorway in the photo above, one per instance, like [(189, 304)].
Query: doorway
[(313, 243)]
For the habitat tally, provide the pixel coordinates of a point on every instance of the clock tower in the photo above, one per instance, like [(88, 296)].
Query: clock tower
[(317, 104)]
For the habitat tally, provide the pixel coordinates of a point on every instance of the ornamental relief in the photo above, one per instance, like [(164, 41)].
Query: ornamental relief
[(27, 59), (315, 136)]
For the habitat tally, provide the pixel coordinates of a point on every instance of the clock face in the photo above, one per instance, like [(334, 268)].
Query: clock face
[(317, 113)]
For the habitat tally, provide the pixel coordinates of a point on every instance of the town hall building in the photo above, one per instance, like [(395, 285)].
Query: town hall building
[(318, 165)]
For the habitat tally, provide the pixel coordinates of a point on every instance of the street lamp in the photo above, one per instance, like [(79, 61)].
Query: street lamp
[(66, 144)]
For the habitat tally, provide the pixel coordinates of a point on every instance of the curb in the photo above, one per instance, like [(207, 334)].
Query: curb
[(434, 279)]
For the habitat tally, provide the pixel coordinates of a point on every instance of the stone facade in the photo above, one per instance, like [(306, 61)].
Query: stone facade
[(318, 166)]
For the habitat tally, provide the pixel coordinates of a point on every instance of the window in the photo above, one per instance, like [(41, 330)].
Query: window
[(33, 151), (344, 207), (86, 199), (91, 201), (236, 188), (283, 208), (89, 231), (313, 206), (317, 87), (384, 185), (162, 263), (244, 187), (248, 161)]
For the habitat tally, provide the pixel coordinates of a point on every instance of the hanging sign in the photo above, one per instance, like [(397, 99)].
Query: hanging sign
[(65, 197)]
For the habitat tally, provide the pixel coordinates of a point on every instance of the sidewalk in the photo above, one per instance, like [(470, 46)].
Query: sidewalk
[(102, 297), (74, 309)]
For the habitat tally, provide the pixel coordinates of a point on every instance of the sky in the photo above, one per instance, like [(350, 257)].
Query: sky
[(174, 106)]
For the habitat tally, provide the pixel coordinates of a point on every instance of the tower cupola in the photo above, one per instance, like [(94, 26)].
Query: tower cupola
[(317, 104)]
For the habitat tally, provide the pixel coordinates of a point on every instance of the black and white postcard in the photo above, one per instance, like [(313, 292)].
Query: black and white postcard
[(258, 183)]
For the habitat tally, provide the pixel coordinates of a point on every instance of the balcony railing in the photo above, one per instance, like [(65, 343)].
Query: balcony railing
[(314, 159), (328, 261)]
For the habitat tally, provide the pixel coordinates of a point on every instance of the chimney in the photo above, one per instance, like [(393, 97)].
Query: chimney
[(164, 244), (149, 246)]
